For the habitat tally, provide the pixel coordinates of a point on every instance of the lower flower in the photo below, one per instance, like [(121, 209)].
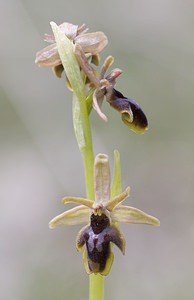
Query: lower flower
[(103, 215)]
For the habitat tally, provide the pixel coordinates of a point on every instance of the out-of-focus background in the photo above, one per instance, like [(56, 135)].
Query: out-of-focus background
[(153, 43)]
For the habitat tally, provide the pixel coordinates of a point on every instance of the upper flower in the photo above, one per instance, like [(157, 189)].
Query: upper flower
[(132, 114), (91, 43), (103, 215), (85, 48)]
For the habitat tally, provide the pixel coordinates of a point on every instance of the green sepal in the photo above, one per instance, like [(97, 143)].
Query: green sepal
[(131, 215), (116, 186), (76, 215)]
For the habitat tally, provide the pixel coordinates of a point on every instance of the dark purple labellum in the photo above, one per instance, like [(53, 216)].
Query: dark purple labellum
[(132, 114), (97, 237)]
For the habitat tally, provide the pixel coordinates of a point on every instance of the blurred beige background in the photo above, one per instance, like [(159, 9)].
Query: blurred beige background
[(153, 43)]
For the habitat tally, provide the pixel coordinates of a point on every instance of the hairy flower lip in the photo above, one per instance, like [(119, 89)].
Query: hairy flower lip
[(132, 115)]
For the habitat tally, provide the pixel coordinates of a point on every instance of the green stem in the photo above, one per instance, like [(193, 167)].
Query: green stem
[(82, 130), (96, 287), (84, 139)]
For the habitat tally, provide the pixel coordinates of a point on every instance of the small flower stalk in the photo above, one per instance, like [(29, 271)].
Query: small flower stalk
[(103, 215)]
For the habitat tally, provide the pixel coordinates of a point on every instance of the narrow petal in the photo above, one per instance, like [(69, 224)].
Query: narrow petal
[(84, 64), (127, 214), (77, 215), (107, 63), (82, 29), (111, 204), (97, 103), (83, 201), (113, 75)]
